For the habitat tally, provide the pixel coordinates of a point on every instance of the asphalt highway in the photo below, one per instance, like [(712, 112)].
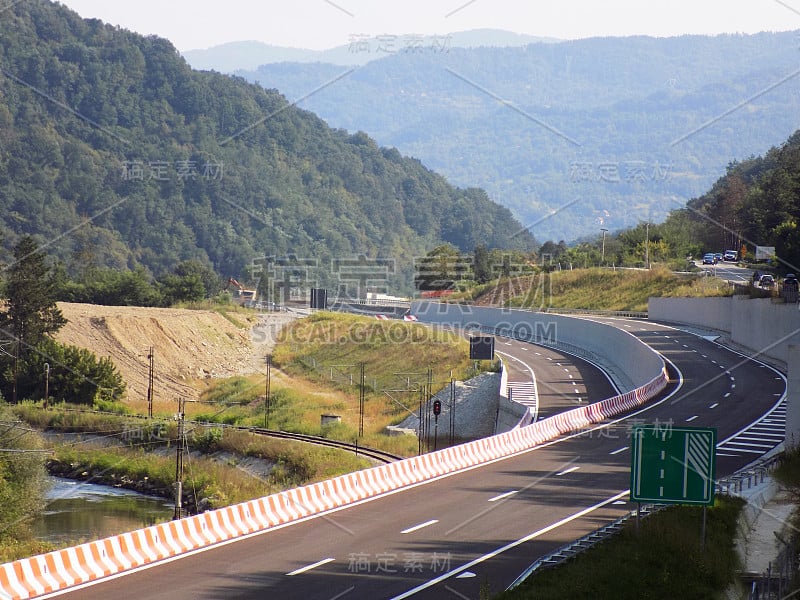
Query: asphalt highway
[(449, 537)]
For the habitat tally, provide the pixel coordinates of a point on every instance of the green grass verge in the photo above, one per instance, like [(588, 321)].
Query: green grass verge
[(664, 559), (603, 289), (130, 444)]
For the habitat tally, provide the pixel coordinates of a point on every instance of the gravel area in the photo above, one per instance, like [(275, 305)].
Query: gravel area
[(475, 408)]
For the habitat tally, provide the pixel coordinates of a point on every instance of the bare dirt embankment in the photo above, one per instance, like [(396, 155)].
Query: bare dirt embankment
[(190, 346)]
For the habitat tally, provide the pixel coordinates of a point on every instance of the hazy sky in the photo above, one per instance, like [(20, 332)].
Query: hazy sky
[(320, 24)]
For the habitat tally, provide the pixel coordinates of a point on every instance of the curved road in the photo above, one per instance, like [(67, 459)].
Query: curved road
[(445, 538)]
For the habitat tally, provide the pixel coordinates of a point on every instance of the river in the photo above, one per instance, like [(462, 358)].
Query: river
[(78, 512)]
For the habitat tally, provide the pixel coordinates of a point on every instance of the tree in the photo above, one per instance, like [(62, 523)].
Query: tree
[(77, 376), (483, 264), (177, 288), (23, 479), (212, 283), (32, 314), (440, 269)]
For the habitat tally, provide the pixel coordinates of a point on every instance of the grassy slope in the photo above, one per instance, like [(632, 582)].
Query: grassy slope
[(602, 289), (663, 560)]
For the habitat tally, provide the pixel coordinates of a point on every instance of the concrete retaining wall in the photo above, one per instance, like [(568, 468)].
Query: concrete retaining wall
[(758, 324), (713, 313), (628, 361)]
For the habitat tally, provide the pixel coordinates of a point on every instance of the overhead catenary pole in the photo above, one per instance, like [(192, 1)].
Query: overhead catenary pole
[(46, 383), (150, 379), (603, 251), (420, 429), (361, 398), (16, 373), (179, 461), (452, 411), (267, 392), (428, 399)]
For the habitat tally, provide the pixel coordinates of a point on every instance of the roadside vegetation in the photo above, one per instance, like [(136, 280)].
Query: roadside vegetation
[(599, 289), (291, 463), (316, 371), (139, 454), (664, 559), (788, 474), (23, 483)]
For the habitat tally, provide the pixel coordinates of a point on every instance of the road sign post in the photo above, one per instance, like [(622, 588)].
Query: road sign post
[(673, 465)]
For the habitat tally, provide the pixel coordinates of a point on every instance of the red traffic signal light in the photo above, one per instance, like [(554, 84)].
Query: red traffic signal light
[(437, 407)]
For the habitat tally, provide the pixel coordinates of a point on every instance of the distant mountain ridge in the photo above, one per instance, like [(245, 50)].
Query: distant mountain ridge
[(572, 136), (114, 153), (359, 50)]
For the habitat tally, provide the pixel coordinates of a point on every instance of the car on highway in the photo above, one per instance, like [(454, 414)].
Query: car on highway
[(767, 281), (718, 256), (709, 259), (730, 255)]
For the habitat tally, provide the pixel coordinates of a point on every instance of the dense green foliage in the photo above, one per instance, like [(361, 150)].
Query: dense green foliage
[(22, 478), (606, 132), (757, 202), (34, 365), (120, 155), (664, 559), (190, 281)]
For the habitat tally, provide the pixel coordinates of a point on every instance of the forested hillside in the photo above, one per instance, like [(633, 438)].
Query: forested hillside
[(114, 153), (606, 132), (756, 203)]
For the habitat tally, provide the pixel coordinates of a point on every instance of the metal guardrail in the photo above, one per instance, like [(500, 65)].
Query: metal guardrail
[(751, 475), (634, 314), (582, 544)]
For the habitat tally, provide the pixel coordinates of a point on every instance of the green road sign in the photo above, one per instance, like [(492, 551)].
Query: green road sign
[(673, 465)]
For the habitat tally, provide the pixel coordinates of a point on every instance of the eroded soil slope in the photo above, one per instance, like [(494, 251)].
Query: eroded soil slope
[(190, 346)]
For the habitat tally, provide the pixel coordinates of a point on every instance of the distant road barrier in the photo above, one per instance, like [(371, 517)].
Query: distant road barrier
[(61, 569)]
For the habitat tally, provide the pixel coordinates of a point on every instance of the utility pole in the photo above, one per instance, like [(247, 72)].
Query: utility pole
[(603, 251), (150, 357), (46, 383), (267, 392), (647, 245), (452, 411), (421, 430), (361, 399), (179, 461), (16, 373), (428, 399)]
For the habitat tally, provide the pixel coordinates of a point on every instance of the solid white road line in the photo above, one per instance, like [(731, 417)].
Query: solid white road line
[(501, 496), (565, 471), (514, 544), (420, 526), (319, 563)]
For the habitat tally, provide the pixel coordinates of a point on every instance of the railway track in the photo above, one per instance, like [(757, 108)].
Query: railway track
[(379, 455)]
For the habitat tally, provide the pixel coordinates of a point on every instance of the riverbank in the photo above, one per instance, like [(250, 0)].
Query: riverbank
[(78, 511)]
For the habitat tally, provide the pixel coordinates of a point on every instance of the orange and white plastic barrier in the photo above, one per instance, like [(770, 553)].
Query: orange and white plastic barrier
[(31, 577)]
